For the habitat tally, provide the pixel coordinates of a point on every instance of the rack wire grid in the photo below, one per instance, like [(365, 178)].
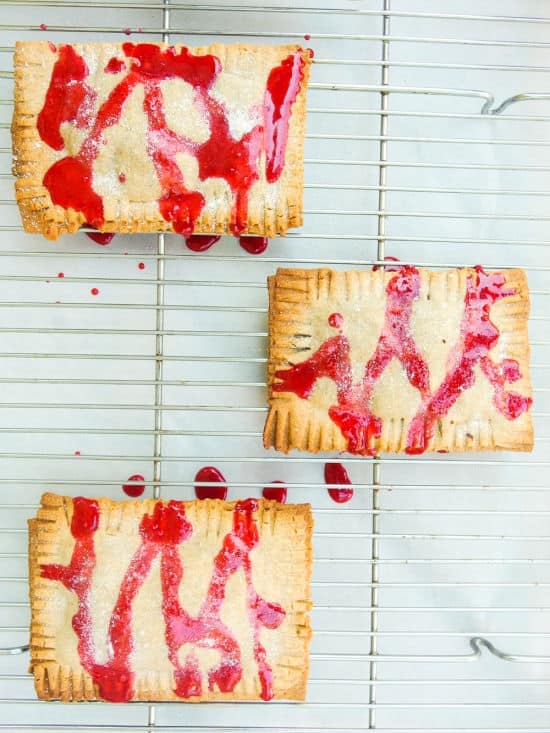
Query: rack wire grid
[(432, 586)]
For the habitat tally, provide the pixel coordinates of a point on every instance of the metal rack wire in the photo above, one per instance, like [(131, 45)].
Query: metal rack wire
[(432, 587)]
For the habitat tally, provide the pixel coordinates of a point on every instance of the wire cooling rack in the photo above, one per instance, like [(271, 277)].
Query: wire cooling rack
[(432, 586)]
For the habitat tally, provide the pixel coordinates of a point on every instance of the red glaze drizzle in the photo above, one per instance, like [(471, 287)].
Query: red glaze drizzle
[(388, 268), (161, 534), (335, 473), (114, 66), (478, 335), (212, 474), (70, 179), (201, 242), (275, 493), (283, 85), (134, 489), (254, 245)]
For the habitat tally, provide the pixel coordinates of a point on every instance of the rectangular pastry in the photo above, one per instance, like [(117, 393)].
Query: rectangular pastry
[(404, 359), (152, 600), (144, 137)]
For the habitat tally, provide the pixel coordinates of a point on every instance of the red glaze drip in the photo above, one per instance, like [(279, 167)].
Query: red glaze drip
[(275, 493), (134, 489), (307, 37), (77, 452), (53, 47), (70, 180), (201, 242), (114, 66), (254, 245), (283, 85), (161, 534), (121, 178), (210, 473), (94, 291), (68, 99), (128, 31), (43, 27), (102, 238), (335, 473), (478, 335), (61, 274), (141, 265), (388, 268), (336, 320)]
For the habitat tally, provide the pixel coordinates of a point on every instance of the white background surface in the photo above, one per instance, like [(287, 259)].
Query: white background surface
[(464, 545)]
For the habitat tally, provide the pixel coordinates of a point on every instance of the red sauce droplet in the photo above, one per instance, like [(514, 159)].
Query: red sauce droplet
[(114, 66), (60, 274), (307, 37), (388, 268), (53, 47), (70, 179), (275, 493), (201, 242), (478, 335), (211, 474), (102, 238), (336, 320), (94, 291), (121, 178), (254, 245), (162, 533), (335, 473), (283, 85), (141, 265), (134, 489), (43, 27)]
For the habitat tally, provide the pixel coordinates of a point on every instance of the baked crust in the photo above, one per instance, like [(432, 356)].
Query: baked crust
[(132, 205), (281, 570), (300, 302)]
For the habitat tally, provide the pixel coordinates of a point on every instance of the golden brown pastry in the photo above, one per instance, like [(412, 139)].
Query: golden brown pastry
[(403, 360), (152, 600), (142, 137)]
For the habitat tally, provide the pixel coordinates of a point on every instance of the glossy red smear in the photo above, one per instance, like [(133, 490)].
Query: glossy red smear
[(61, 274), (388, 268), (68, 99), (167, 524), (353, 414), (77, 452), (335, 473), (283, 86), (121, 178), (336, 320), (236, 161), (211, 474), (127, 31), (275, 493), (69, 182), (102, 238), (201, 242), (43, 27), (478, 335), (141, 265), (254, 245), (114, 66), (168, 63), (134, 489), (307, 37), (94, 291), (53, 47)]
